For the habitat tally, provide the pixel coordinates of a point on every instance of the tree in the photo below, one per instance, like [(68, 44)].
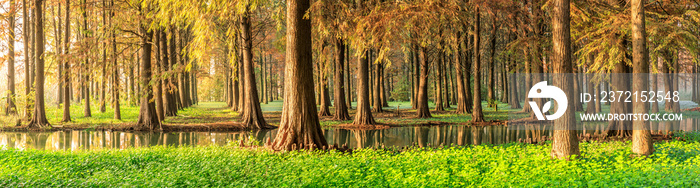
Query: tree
[(115, 74), (341, 109), (377, 91), (323, 90), (565, 138), (39, 116), (363, 115), (170, 92), (148, 117), (461, 90), (28, 56), (86, 65), (422, 101), (641, 135), (65, 81), (158, 71), (11, 108), (477, 114), (252, 116), (439, 97), (299, 125)]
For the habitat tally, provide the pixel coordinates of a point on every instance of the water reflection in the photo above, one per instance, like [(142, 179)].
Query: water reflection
[(393, 137)]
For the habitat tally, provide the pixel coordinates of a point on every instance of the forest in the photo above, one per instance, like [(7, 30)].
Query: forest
[(349, 93)]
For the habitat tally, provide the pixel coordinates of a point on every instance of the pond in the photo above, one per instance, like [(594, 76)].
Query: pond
[(422, 136)]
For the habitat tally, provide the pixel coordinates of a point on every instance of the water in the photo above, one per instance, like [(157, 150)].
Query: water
[(424, 136)]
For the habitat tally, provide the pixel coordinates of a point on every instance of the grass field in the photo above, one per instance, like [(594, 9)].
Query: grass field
[(674, 164)]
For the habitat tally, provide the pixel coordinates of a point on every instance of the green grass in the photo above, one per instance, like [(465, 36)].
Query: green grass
[(674, 164)]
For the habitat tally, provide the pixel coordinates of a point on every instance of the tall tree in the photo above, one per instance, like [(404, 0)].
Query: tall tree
[(28, 56), (252, 116), (39, 116), (103, 87), (170, 92), (422, 101), (11, 108), (299, 126), (341, 109), (115, 73), (65, 80), (377, 96), (85, 85), (565, 138), (363, 114), (148, 117), (439, 72), (491, 79), (477, 114), (641, 135), (459, 75), (158, 71)]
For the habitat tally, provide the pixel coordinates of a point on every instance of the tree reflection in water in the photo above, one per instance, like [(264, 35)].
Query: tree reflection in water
[(419, 136)]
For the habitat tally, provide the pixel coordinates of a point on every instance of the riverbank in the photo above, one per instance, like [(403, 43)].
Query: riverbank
[(674, 164)]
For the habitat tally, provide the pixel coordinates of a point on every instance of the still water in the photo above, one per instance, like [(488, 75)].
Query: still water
[(423, 136)]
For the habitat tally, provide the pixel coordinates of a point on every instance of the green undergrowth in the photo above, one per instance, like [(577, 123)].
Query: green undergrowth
[(609, 164)]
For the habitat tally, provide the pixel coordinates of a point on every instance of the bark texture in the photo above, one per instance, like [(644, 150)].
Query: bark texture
[(477, 114), (565, 140), (252, 114), (339, 101), (641, 135), (39, 116), (148, 117), (299, 126)]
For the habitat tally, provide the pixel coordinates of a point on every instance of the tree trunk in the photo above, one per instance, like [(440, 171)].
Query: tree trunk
[(115, 74), (620, 81), (416, 76), (341, 110), (565, 142), (676, 80), (323, 80), (641, 135), (461, 90), (377, 96), (148, 117), (11, 109), (439, 97), (39, 117), (103, 87), (252, 114), (422, 101), (86, 67), (382, 81), (453, 87), (299, 124), (477, 114), (28, 54), (171, 91), (667, 78), (65, 80), (163, 81), (241, 78), (348, 82), (363, 114), (59, 51), (654, 87), (491, 95), (158, 71)]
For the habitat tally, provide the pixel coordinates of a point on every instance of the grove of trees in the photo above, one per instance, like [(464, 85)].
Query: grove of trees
[(168, 55)]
